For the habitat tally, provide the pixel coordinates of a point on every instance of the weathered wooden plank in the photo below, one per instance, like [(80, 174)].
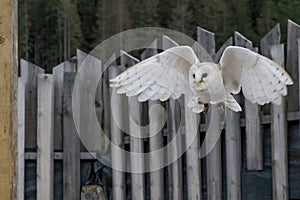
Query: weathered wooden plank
[(193, 167), (8, 99), (213, 160), (205, 38), (21, 139), (58, 79), (253, 131), (292, 65), (71, 155), (59, 155), (94, 67), (106, 95), (214, 157), (30, 72), (136, 143), (118, 159), (150, 51), (233, 152), (279, 138), (155, 143), (299, 65), (45, 137), (173, 112), (155, 139), (272, 37)]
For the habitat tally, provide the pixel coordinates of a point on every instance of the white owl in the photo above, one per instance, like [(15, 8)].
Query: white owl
[(177, 70)]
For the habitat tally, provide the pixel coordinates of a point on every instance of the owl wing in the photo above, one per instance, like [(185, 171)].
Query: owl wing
[(261, 79), (160, 77)]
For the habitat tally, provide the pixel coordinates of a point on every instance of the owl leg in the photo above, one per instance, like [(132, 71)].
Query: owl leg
[(196, 105), (205, 108)]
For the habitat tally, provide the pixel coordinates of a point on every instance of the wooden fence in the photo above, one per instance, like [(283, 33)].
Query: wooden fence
[(257, 156)]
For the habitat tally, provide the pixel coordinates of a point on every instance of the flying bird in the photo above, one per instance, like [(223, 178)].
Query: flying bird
[(178, 71)]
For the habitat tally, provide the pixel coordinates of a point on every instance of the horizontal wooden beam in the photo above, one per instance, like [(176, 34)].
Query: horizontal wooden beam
[(266, 119)]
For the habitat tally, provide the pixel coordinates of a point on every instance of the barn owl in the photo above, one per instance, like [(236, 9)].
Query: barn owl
[(178, 71)]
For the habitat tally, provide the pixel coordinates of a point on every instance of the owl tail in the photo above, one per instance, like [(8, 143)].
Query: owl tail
[(231, 103)]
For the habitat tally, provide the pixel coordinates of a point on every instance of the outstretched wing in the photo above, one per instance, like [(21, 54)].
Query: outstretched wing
[(160, 77), (262, 80)]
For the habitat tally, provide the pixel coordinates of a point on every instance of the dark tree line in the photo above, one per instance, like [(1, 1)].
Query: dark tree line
[(50, 31)]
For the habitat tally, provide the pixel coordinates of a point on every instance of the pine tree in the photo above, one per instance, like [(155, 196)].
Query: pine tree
[(182, 18)]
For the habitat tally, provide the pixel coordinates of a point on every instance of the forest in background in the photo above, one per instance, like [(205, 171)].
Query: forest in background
[(50, 31)]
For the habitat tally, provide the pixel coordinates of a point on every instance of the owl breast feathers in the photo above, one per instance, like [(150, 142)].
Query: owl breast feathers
[(178, 71)]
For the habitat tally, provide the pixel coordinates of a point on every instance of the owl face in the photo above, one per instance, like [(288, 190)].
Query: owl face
[(198, 76)]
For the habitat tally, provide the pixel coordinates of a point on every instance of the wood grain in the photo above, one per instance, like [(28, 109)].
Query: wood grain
[(8, 98)]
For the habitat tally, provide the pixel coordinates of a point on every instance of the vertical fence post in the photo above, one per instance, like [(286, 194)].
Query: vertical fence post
[(271, 48), (279, 138), (30, 72), (293, 34), (93, 66), (8, 99), (175, 169), (21, 139), (252, 116), (71, 144), (233, 154), (214, 158), (118, 103), (58, 79), (136, 144), (193, 165), (45, 137), (156, 141)]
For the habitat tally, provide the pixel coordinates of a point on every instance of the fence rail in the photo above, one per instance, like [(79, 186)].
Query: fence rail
[(47, 134)]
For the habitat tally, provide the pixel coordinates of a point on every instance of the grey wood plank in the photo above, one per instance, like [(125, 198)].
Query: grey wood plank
[(155, 138), (205, 38), (253, 131), (233, 152), (118, 159), (173, 112), (213, 160), (59, 155), (21, 139), (45, 160), (270, 45), (136, 143), (58, 79), (106, 95), (71, 155), (94, 66), (279, 138), (192, 153), (29, 72), (292, 64), (272, 37)]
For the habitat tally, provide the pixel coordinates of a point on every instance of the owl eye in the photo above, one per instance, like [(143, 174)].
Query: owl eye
[(194, 76), (204, 75)]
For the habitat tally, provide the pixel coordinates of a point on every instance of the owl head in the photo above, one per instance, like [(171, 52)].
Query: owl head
[(199, 76)]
